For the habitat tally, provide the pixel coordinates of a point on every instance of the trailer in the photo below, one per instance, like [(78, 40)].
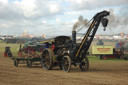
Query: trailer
[(27, 61), (106, 52), (29, 54)]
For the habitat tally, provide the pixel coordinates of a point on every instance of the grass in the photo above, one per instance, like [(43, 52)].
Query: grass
[(14, 49), (97, 59)]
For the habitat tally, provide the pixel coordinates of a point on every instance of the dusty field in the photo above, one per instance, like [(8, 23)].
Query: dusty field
[(100, 73)]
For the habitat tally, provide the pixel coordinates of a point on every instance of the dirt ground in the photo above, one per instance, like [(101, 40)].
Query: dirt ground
[(99, 73)]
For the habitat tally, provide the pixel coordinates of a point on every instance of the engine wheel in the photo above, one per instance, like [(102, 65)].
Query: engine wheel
[(47, 59), (66, 63), (84, 66)]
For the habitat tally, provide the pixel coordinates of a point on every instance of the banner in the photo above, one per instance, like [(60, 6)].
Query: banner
[(102, 49)]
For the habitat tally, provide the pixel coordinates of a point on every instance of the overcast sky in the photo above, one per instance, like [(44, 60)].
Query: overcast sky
[(57, 17)]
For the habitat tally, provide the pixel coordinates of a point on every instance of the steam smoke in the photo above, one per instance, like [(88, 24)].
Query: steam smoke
[(113, 19), (81, 21), (118, 20)]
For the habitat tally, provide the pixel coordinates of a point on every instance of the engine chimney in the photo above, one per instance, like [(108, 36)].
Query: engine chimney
[(74, 37)]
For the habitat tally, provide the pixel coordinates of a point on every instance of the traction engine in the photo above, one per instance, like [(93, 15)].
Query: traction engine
[(65, 52)]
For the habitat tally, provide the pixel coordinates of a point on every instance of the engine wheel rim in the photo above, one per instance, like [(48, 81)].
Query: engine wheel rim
[(66, 63), (84, 64), (47, 59)]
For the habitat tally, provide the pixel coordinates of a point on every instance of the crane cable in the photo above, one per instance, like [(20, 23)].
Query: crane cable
[(83, 27)]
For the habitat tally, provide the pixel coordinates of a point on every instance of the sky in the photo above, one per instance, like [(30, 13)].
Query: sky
[(57, 17)]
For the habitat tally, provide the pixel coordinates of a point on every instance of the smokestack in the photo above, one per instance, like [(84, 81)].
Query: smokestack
[(74, 37)]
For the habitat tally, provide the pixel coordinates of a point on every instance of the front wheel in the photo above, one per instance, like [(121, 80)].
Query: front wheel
[(84, 66), (66, 63)]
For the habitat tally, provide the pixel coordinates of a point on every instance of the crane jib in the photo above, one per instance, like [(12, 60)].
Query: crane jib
[(85, 38)]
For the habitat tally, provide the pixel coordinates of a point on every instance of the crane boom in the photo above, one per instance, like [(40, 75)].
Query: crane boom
[(88, 37)]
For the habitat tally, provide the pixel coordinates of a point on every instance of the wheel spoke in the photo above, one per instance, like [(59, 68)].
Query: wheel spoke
[(66, 63), (47, 57), (84, 64)]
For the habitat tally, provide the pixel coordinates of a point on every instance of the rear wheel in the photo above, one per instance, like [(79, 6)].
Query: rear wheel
[(47, 59), (66, 63), (84, 66)]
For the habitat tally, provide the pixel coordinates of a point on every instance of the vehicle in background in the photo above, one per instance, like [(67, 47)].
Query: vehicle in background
[(106, 52), (7, 52), (123, 47)]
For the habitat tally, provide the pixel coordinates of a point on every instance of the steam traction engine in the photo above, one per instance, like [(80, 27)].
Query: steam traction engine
[(65, 52)]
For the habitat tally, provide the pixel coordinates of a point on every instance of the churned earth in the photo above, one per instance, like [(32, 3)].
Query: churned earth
[(105, 72)]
